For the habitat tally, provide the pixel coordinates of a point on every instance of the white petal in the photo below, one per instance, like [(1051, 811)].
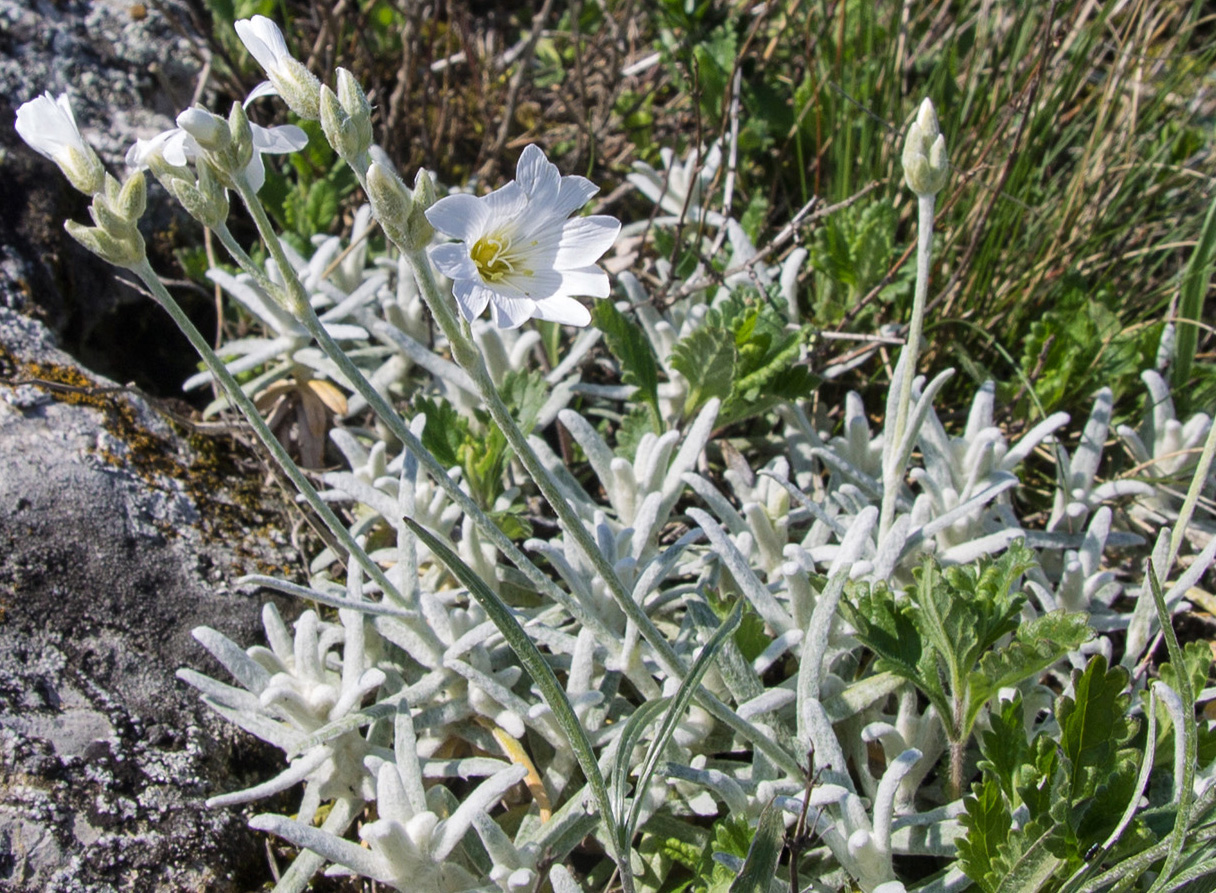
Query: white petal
[(566, 311), (585, 239), (511, 313), (463, 217), (263, 39), (255, 171), (589, 281), (573, 194), (452, 260), (263, 89), (179, 147), (48, 126), (537, 285), (472, 298), (506, 204), (539, 179), (278, 140)]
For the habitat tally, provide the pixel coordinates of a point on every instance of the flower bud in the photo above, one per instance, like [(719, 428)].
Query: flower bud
[(926, 167), (391, 202), (355, 104), (341, 131), (297, 86), (133, 198), (419, 230), (206, 202), (123, 249), (241, 135), (208, 130)]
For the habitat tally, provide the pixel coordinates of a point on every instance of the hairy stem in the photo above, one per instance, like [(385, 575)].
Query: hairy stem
[(893, 448)]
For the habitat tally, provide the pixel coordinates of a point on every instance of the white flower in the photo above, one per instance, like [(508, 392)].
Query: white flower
[(178, 147), (288, 78), (49, 128), (519, 252)]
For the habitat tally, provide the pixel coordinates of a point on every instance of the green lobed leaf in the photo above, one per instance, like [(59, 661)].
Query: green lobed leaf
[(706, 357), (761, 863), (987, 820), (629, 344), (1093, 725), (1035, 647)]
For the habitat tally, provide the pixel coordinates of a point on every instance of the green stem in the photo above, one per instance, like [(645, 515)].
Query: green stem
[(1192, 499), (241, 400), (892, 471)]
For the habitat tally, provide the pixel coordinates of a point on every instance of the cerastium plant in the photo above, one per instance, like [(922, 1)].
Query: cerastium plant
[(644, 639)]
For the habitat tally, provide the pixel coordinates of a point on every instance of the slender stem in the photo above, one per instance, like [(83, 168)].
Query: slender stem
[(238, 397), (893, 449)]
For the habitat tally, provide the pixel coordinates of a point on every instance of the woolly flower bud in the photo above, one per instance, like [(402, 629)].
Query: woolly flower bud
[(393, 206), (287, 76), (208, 130), (925, 164), (49, 128), (347, 122)]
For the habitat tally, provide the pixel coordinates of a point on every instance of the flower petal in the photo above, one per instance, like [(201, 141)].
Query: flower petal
[(452, 260), (566, 311), (589, 281), (263, 39), (585, 239), (539, 178), (506, 204), (263, 89), (573, 194), (463, 217), (279, 140), (511, 313), (472, 298)]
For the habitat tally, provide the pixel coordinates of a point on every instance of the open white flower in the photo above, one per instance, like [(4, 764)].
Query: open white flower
[(288, 77), (178, 147), (48, 126), (520, 252)]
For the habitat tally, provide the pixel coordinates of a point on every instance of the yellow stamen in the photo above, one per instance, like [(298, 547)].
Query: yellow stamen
[(491, 255)]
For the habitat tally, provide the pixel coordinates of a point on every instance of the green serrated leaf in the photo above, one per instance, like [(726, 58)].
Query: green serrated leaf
[(761, 863), (629, 344), (1035, 647), (1093, 725), (706, 357), (987, 820), (1005, 747)]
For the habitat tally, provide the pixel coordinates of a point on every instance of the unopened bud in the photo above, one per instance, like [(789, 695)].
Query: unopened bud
[(206, 202), (133, 198), (209, 131), (341, 131), (926, 167), (355, 104), (126, 249), (241, 135), (391, 203), (419, 230)]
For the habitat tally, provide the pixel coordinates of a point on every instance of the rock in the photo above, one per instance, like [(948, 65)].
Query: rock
[(117, 537)]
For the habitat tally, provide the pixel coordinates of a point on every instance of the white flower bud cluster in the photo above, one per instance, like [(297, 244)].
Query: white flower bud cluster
[(926, 167)]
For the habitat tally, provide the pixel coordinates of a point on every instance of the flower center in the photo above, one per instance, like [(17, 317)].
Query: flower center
[(491, 255)]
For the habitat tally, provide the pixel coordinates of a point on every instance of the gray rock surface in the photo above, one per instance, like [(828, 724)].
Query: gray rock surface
[(114, 543)]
